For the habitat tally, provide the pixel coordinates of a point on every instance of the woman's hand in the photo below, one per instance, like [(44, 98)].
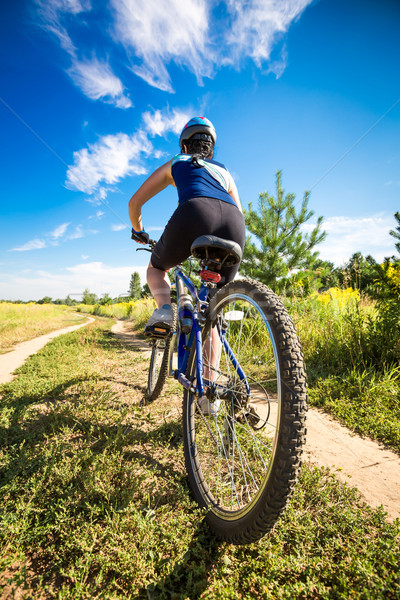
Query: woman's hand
[(141, 237)]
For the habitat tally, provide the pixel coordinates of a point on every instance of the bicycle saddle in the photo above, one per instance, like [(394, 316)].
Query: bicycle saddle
[(216, 249)]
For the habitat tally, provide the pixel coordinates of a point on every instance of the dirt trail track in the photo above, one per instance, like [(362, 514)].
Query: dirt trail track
[(372, 468), (14, 359)]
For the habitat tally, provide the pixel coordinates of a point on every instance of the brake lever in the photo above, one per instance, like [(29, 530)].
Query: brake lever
[(151, 243)]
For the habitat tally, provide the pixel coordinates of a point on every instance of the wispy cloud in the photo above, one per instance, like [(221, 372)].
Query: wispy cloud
[(99, 215), (59, 231), (201, 36), (255, 26), (77, 234), (93, 77), (107, 161), (52, 14), (97, 81), (198, 35), (114, 157), (154, 33), (347, 235), (162, 122), (118, 227), (35, 244), (54, 237)]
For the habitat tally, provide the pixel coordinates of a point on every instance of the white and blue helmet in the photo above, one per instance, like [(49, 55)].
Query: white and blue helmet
[(197, 125)]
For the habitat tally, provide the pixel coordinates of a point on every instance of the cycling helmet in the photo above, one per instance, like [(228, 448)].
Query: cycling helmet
[(197, 125)]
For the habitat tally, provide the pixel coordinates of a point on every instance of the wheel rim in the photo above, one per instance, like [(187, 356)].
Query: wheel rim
[(233, 448)]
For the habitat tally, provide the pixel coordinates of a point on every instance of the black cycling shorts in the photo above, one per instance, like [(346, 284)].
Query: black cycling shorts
[(195, 217)]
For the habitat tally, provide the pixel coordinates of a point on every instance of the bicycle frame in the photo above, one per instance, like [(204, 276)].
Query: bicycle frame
[(184, 342)]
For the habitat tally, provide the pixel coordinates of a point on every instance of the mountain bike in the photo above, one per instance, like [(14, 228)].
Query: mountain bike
[(236, 353)]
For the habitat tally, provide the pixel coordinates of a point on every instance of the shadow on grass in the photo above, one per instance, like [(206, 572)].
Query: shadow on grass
[(141, 472), (69, 472), (189, 576)]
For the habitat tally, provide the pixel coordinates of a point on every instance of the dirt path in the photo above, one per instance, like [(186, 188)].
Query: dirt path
[(360, 462), (14, 359)]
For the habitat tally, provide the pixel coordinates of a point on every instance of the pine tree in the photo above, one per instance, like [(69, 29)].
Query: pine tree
[(396, 234), (89, 297), (281, 245), (135, 290)]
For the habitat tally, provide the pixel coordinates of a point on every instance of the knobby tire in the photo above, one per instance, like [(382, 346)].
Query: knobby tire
[(243, 460)]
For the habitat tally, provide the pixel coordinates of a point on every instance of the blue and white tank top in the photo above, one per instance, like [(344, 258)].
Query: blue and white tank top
[(210, 179)]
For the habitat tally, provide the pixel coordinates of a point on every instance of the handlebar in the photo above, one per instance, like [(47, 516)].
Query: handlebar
[(150, 243)]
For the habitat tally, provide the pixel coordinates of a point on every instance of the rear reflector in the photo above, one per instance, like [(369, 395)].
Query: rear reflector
[(210, 276)]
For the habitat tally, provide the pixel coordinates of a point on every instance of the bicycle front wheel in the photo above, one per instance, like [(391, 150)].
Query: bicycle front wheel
[(243, 438)]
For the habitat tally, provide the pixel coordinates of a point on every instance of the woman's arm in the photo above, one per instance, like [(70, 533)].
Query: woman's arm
[(235, 194), (157, 182)]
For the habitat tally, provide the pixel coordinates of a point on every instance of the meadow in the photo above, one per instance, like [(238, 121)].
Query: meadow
[(21, 322), (95, 503)]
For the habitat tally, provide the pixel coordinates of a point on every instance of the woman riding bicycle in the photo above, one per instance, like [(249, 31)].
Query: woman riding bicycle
[(239, 361), (208, 205)]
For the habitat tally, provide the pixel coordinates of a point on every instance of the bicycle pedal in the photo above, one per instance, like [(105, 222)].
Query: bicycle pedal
[(157, 331)]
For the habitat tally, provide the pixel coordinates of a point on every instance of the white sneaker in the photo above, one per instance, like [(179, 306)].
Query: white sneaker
[(160, 321), (207, 407)]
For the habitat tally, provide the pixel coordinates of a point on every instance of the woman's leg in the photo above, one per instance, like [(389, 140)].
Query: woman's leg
[(211, 356), (159, 285)]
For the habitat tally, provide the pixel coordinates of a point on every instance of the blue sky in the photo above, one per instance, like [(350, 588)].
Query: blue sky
[(93, 96)]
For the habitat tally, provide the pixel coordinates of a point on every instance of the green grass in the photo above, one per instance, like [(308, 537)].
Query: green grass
[(21, 322), (94, 502), (346, 373)]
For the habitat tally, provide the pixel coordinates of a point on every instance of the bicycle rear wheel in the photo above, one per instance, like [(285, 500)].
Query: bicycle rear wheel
[(243, 441), (159, 364)]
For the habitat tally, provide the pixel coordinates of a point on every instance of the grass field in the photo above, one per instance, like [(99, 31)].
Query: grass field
[(95, 505), (21, 322)]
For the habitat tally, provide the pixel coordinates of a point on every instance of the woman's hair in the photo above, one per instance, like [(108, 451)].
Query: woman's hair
[(200, 148)]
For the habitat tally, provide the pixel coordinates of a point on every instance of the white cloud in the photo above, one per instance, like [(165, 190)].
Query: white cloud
[(98, 216), (77, 234), (161, 122), (255, 26), (59, 231), (96, 276), (347, 235), (114, 157), (198, 35), (52, 13), (97, 81), (35, 244), (193, 34), (158, 32), (108, 160), (118, 227), (53, 237), (93, 77)]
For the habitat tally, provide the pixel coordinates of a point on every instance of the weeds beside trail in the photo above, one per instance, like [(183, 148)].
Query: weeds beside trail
[(21, 322), (95, 504)]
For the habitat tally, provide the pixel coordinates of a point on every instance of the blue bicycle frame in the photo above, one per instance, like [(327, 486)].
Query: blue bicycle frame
[(185, 342)]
